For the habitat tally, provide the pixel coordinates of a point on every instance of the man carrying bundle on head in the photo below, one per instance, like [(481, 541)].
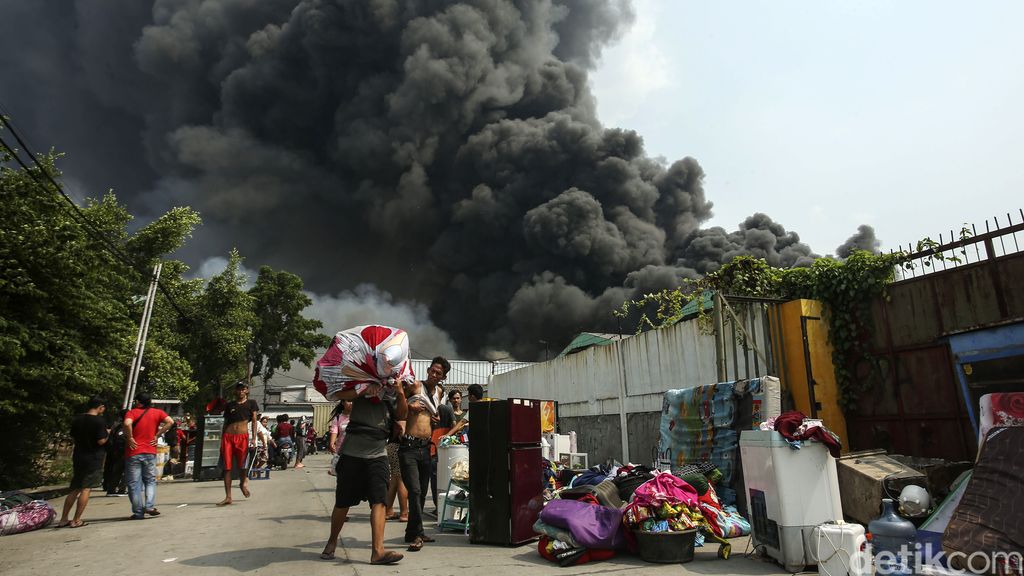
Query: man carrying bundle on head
[(366, 365)]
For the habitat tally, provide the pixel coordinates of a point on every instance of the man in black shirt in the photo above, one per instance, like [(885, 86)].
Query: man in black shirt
[(90, 433), (239, 436), (113, 466)]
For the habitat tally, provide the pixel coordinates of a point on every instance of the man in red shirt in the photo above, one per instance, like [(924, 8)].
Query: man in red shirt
[(142, 426)]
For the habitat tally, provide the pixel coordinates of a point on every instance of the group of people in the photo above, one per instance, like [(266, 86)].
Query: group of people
[(384, 447), (138, 434)]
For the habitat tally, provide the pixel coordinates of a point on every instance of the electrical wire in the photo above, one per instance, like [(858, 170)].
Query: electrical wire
[(78, 213)]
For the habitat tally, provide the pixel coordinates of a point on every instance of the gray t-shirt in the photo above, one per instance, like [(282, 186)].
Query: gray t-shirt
[(367, 413)]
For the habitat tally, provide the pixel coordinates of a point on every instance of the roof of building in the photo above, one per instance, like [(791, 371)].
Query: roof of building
[(706, 301), (585, 340)]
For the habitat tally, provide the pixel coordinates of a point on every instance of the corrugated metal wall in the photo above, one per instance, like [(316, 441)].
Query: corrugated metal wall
[(466, 372), (682, 356)]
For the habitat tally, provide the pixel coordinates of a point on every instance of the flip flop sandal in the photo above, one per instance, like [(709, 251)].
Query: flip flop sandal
[(427, 539), (392, 516), (153, 512), (327, 555), (388, 558), (79, 525), (416, 545)]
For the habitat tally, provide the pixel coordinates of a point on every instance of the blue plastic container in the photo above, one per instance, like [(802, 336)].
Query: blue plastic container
[(893, 542)]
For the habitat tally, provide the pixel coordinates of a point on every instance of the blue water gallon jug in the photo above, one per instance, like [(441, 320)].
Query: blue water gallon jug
[(893, 542)]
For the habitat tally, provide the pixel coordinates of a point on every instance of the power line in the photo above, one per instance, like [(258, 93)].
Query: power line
[(81, 216), (4, 111)]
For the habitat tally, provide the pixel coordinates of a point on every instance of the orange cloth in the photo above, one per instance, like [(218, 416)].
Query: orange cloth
[(435, 439)]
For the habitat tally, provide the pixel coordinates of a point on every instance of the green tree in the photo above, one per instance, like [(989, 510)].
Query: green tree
[(68, 308), (281, 333), (224, 321)]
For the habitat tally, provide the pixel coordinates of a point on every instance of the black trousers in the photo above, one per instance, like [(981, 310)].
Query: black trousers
[(415, 465), (113, 473), (433, 481)]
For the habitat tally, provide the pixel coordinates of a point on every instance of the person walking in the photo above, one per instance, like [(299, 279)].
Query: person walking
[(113, 467), (90, 433), (239, 436), (300, 443), (414, 448), (310, 439), (142, 426), (336, 431), (263, 443), (362, 470)]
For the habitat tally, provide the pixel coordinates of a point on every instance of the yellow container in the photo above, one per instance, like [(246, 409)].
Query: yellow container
[(808, 373)]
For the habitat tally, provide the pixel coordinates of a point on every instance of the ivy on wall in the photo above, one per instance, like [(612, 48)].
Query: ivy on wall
[(845, 287)]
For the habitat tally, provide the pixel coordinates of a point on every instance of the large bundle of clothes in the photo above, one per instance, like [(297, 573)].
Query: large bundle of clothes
[(364, 356), (592, 514)]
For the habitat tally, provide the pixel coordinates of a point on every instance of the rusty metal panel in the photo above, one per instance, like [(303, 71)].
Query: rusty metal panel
[(967, 297), (1011, 273), (880, 399), (926, 383), (913, 313), (867, 433), (934, 439)]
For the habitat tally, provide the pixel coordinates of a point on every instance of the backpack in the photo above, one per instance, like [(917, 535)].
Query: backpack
[(12, 499), (117, 440)]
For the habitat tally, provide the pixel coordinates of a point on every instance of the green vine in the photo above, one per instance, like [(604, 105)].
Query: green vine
[(846, 288)]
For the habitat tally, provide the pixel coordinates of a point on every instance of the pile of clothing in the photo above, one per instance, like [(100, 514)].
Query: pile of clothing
[(797, 428), (451, 441), (590, 514)]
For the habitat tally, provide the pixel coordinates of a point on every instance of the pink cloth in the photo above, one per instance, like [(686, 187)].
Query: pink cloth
[(338, 425), (665, 487)]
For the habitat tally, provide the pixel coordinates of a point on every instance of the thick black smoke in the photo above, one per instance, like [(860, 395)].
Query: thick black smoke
[(447, 153), (864, 239)]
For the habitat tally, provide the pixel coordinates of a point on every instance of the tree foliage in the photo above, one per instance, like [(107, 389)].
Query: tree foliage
[(224, 320), (69, 314), (281, 334), (70, 305)]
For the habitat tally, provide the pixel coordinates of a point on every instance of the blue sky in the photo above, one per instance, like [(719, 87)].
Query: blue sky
[(906, 115)]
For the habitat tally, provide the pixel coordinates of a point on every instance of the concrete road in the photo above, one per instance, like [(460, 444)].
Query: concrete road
[(281, 530)]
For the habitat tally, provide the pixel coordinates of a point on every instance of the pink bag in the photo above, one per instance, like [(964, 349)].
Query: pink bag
[(26, 517), (665, 487)]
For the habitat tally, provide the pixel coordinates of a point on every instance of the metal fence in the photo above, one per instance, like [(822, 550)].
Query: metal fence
[(1002, 236)]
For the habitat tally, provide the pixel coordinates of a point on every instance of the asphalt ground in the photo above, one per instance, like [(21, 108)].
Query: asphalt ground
[(281, 529)]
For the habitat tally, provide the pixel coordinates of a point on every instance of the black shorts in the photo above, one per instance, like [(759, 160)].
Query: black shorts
[(361, 479), (86, 477)]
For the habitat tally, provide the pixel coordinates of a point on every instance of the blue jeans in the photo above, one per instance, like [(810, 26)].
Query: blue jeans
[(140, 475)]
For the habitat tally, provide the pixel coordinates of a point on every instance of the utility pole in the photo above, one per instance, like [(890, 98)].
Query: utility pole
[(140, 340)]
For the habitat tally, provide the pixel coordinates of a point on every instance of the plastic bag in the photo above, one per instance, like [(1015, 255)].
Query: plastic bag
[(460, 471)]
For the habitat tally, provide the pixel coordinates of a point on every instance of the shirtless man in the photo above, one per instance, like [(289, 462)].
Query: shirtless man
[(414, 448), (239, 437)]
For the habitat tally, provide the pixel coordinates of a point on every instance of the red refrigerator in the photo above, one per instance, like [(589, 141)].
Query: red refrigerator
[(505, 471)]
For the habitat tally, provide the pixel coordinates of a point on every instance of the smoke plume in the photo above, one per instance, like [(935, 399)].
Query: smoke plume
[(438, 163), (864, 239)]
